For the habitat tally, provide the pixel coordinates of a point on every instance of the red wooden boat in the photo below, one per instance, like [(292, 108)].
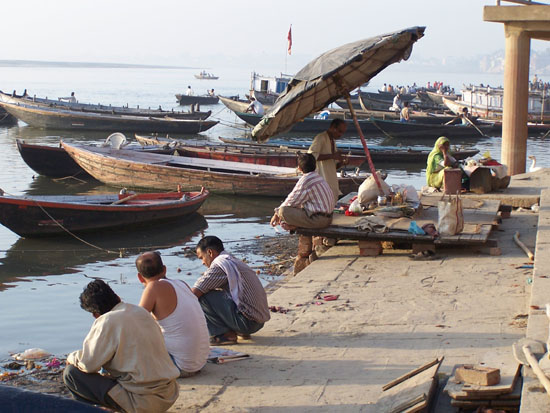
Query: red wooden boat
[(53, 214)]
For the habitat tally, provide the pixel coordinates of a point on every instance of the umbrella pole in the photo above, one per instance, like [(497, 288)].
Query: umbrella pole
[(365, 147)]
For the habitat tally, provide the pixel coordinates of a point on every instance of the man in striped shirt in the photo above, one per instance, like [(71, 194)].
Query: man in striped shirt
[(230, 293), (311, 202)]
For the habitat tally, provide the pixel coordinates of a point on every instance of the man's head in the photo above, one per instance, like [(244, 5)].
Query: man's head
[(406, 104), (150, 266), (465, 111), (208, 249), (337, 128), (98, 298), (306, 162)]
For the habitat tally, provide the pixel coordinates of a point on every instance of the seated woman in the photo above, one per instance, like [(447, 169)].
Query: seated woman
[(439, 159)]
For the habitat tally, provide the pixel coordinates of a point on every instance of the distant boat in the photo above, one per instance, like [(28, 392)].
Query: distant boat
[(205, 75), (268, 88), (102, 109), (56, 118), (50, 214), (123, 168), (487, 102)]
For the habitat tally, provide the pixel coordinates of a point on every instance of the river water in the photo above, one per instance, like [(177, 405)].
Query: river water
[(40, 280)]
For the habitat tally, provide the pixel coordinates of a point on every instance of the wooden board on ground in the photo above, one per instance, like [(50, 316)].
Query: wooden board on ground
[(411, 392), (509, 373)]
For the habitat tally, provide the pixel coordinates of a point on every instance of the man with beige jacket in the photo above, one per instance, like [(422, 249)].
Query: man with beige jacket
[(123, 364)]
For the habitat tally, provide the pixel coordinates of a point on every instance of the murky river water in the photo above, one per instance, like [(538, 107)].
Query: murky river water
[(40, 280)]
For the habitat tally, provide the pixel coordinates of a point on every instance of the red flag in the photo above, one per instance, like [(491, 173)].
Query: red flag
[(289, 37)]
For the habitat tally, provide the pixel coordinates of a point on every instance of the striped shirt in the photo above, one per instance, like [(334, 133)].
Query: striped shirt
[(252, 296), (311, 193)]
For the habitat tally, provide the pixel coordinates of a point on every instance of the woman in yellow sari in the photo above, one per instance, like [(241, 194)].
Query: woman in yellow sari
[(438, 160)]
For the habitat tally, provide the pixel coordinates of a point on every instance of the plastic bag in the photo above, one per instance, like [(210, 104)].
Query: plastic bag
[(355, 207), (408, 192), (368, 191), (450, 216)]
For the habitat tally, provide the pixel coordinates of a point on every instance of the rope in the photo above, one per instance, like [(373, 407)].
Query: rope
[(68, 231), (74, 235), (125, 249)]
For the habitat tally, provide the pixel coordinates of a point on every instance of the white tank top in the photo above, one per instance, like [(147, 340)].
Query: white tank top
[(185, 331)]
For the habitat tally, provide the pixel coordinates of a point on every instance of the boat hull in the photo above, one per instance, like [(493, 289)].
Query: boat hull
[(395, 129), (184, 100), (72, 120), (48, 215), (52, 161), (121, 168), (103, 109)]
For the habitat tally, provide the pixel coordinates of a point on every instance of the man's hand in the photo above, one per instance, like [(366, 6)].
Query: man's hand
[(275, 220)]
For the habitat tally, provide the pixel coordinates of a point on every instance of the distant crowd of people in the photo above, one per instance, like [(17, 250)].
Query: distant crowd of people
[(437, 87), (538, 85)]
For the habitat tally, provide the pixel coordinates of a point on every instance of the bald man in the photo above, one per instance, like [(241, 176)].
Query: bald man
[(178, 313)]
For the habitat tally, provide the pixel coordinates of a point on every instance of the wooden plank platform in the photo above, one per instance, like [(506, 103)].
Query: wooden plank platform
[(479, 217)]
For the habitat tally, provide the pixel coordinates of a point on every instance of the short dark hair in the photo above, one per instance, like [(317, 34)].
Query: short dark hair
[(306, 162), (405, 104), (336, 122), (210, 242), (149, 264), (98, 298)]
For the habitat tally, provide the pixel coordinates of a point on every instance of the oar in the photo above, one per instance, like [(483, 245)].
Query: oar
[(123, 200), (472, 123)]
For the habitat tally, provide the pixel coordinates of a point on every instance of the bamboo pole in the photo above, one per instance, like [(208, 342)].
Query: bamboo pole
[(364, 143)]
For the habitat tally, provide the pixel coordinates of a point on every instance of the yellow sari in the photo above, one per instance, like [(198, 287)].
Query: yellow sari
[(434, 171)]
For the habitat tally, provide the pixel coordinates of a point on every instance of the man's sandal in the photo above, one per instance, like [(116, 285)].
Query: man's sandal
[(222, 340)]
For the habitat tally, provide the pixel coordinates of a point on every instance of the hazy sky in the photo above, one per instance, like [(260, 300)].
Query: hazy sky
[(212, 32)]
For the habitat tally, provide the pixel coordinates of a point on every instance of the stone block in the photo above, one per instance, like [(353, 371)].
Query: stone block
[(479, 375), (370, 248)]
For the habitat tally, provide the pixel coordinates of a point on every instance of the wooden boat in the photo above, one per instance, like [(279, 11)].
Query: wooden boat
[(487, 103), (396, 129), (206, 76), (6, 118), (55, 162), (285, 155), (56, 118), (53, 214), (105, 109), (50, 161), (379, 153), (123, 168), (267, 88), (184, 100)]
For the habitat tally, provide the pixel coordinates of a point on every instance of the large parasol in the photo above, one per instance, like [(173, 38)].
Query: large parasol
[(332, 75)]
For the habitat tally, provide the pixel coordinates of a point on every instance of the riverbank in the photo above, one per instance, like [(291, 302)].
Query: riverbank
[(392, 315)]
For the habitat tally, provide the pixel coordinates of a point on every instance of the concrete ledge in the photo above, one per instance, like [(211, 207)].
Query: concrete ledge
[(533, 397)]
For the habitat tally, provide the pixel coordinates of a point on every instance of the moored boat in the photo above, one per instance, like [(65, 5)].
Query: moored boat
[(98, 108), (184, 100), (56, 118), (123, 168), (54, 215), (396, 129), (284, 154)]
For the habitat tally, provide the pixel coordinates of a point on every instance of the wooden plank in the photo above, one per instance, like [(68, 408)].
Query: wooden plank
[(410, 392), (409, 374)]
